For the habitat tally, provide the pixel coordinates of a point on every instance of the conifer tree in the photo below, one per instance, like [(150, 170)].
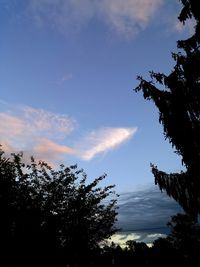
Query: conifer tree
[(177, 97)]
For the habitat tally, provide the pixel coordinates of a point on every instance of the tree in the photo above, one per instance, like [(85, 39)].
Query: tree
[(185, 233), (51, 217), (178, 102), (185, 238)]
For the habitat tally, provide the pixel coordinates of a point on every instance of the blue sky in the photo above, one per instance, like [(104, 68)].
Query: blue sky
[(67, 71)]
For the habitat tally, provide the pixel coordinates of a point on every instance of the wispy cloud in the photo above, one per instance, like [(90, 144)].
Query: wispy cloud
[(104, 140), (44, 134), (52, 151), (66, 77), (126, 17), (27, 121), (64, 16), (33, 131), (51, 123)]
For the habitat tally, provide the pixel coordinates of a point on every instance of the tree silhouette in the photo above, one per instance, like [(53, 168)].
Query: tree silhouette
[(185, 237), (178, 102), (51, 217)]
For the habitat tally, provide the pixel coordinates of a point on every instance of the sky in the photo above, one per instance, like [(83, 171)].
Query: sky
[(67, 73)]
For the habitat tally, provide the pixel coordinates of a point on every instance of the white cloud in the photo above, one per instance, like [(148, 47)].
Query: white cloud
[(126, 17), (104, 140), (121, 238), (40, 133)]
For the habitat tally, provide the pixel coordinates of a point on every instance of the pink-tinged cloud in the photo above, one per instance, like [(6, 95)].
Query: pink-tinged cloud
[(43, 120), (35, 132), (43, 134), (11, 126), (51, 151), (104, 140), (126, 17)]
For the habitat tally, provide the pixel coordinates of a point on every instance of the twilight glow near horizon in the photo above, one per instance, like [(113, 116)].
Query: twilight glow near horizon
[(67, 73)]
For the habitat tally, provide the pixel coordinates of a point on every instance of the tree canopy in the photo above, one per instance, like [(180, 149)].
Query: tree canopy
[(51, 217), (177, 97)]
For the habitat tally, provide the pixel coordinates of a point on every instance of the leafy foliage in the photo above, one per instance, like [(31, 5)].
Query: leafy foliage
[(178, 102), (51, 216)]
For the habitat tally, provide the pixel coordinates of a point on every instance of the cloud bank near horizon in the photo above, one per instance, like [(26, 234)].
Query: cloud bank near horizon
[(143, 215), (44, 134), (145, 209)]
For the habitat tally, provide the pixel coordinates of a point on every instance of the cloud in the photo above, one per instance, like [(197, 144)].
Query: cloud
[(146, 210), (104, 140), (126, 17), (44, 121), (62, 15), (11, 126), (66, 77), (25, 121), (143, 216), (123, 237), (47, 149), (43, 134), (24, 128)]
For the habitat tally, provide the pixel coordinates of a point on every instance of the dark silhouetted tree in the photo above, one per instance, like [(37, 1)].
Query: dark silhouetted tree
[(51, 217), (177, 97), (181, 247), (185, 237)]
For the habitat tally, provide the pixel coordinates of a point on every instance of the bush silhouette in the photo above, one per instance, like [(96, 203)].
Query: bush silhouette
[(51, 217)]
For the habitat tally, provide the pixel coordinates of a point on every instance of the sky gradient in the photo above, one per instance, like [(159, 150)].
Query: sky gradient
[(67, 73)]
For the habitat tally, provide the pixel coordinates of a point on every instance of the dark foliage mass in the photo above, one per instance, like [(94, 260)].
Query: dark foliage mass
[(51, 217), (178, 102), (54, 218)]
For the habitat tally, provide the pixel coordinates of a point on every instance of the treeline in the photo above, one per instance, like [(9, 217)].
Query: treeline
[(181, 248), (55, 218)]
